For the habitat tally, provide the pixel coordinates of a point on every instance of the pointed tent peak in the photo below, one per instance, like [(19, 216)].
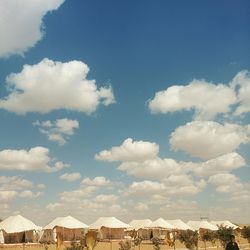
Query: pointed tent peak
[(224, 223), (203, 224), (18, 223), (179, 224), (109, 222), (66, 222), (161, 223), (138, 224)]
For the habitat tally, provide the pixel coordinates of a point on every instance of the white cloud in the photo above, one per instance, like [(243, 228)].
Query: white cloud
[(130, 151), (77, 194), (53, 206), (242, 82), (173, 185), (141, 207), (208, 139), (237, 190), (242, 196), (7, 196), (29, 194), (154, 168), (174, 209), (207, 99), (106, 198), (59, 130), (221, 164), (35, 159), (146, 187), (98, 181), (14, 183), (41, 186), (226, 183), (4, 208), (63, 90), (21, 25), (70, 176)]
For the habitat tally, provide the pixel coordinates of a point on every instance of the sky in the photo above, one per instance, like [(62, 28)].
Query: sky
[(134, 109)]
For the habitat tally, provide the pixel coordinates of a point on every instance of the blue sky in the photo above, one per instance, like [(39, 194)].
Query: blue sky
[(166, 84)]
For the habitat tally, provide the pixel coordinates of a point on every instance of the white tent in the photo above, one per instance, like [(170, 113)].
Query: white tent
[(109, 222), (17, 223), (225, 223), (179, 224), (161, 223), (67, 227), (110, 227), (203, 224), (15, 229), (66, 222), (140, 224), (142, 228)]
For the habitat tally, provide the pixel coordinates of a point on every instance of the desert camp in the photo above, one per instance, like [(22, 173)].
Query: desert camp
[(107, 233)]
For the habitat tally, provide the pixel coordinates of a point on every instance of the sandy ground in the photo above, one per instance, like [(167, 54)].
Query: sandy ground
[(114, 245)]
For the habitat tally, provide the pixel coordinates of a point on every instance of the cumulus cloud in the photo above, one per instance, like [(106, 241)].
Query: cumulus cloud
[(64, 85), (175, 209), (141, 207), (146, 187), (12, 187), (28, 194), (70, 176), (53, 206), (157, 168), (207, 99), (242, 82), (171, 186), (59, 130), (208, 139), (7, 196), (226, 183), (35, 159), (14, 183), (130, 151), (21, 25), (232, 185), (106, 198), (77, 194), (41, 186), (221, 164), (98, 181)]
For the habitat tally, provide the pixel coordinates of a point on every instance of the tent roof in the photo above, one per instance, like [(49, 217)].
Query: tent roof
[(18, 223), (179, 224), (161, 223), (109, 222), (137, 224), (203, 224), (224, 223), (66, 222)]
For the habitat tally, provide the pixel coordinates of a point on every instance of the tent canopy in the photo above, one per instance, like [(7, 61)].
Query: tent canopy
[(161, 223), (109, 222), (224, 223), (179, 224), (17, 223), (66, 222), (140, 224), (203, 224)]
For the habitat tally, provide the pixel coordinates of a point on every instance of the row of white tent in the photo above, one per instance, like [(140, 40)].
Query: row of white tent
[(17, 224)]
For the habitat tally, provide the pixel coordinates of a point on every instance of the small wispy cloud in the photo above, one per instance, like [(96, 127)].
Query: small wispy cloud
[(59, 130)]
